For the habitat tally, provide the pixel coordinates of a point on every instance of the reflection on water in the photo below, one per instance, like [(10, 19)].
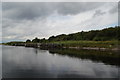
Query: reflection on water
[(21, 62), (107, 57)]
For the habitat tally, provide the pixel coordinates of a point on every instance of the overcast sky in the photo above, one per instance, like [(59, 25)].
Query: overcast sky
[(27, 20)]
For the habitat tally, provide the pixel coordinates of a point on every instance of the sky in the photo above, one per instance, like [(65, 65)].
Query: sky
[(27, 20)]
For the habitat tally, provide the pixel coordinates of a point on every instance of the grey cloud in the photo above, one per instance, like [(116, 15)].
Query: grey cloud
[(25, 10), (28, 10), (30, 19), (75, 8), (98, 13)]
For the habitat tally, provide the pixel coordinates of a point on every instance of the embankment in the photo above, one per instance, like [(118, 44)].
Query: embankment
[(89, 45)]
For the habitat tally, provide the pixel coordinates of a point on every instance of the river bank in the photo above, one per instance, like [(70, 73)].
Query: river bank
[(89, 45)]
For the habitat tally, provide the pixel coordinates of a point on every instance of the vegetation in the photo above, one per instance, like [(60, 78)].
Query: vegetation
[(13, 43), (36, 40), (112, 33), (107, 34), (100, 44), (28, 41), (105, 38)]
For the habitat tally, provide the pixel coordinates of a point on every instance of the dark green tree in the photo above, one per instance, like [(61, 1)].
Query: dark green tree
[(28, 41), (43, 40), (36, 40), (51, 38)]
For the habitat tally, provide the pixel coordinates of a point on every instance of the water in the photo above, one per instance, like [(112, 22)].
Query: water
[(21, 62)]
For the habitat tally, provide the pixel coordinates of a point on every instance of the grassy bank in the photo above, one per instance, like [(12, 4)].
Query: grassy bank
[(100, 44), (96, 45)]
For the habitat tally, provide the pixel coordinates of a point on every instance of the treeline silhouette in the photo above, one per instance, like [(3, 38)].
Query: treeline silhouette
[(107, 34)]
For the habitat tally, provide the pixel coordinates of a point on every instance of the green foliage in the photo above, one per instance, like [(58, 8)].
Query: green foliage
[(107, 34), (51, 38), (108, 38), (28, 41), (36, 40), (100, 44), (43, 40), (14, 42)]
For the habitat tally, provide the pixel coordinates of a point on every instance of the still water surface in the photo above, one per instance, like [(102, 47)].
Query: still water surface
[(21, 62)]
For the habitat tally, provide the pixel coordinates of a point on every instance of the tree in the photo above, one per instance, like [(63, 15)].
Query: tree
[(43, 40), (28, 41), (111, 33), (51, 38), (36, 40)]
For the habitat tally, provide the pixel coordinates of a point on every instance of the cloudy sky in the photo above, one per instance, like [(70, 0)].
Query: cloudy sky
[(27, 20)]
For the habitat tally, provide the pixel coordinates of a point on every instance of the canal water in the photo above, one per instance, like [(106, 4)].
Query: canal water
[(22, 62)]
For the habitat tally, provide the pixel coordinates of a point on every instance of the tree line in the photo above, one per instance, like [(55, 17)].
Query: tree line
[(111, 33)]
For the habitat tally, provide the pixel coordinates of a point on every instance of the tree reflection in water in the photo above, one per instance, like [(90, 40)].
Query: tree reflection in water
[(107, 57)]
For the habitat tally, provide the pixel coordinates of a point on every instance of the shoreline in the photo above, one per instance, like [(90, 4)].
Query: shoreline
[(61, 46), (94, 48)]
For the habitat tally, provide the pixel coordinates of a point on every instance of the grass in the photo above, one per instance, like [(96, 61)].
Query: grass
[(100, 44), (95, 44)]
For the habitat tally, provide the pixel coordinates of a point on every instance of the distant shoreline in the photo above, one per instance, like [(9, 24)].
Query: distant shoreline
[(88, 45)]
